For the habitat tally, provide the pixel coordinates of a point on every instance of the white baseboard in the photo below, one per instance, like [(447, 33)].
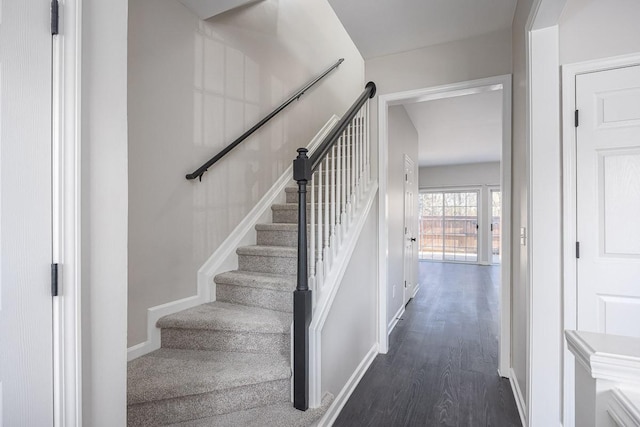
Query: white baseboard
[(519, 398), (392, 324), (224, 258), (415, 292), (336, 407)]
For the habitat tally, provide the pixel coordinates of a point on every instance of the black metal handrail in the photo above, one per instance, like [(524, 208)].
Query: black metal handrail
[(296, 96), (303, 168)]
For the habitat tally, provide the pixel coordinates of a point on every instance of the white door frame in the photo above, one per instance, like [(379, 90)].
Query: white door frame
[(544, 246), (66, 160), (569, 74), (426, 94)]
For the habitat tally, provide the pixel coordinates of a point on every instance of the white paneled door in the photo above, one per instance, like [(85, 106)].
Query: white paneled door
[(608, 201), (410, 231), (26, 379)]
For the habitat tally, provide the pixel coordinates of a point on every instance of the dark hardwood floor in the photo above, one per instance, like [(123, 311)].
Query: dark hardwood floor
[(441, 368)]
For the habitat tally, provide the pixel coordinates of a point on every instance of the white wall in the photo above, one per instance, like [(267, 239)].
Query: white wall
[(591, 29), (471, 174), (193, 87), (403, 137), (104, 213), (478, 176), (350, 329), (519, 202)]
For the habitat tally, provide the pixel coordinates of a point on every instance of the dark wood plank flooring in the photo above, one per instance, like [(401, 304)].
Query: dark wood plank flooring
[(441, 368)]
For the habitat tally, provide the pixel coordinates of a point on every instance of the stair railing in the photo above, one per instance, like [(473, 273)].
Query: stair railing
[(296, 96), (336, 175)]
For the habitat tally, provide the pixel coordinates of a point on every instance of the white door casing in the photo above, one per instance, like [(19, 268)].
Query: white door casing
[(608, 201), (26, 368), (409, 230)]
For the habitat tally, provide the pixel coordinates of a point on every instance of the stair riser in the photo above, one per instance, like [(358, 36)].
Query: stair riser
[(244, 342), (290, 216), (277, 238), (256, 297), (187, 408), (267, 264)]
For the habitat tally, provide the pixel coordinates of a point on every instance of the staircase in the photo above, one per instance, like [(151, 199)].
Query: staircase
[(227, 362)]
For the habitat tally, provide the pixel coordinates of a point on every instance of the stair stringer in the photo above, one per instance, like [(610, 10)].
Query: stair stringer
[(331, 285), (225, 257)]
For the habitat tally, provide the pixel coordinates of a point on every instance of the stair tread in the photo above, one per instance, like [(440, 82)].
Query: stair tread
[(253, 279), (273, 251), (170, 373), (224, 316), (281, 415), (277, 226)]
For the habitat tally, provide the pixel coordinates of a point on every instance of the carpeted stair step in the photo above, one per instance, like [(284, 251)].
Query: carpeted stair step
[(283, 234), (276, 415), (268, 259), (270, 291), (171, 386), (222, 326)]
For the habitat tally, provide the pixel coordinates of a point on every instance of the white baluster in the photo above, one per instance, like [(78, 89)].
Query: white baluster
[(358, 155), (343, 175), (354, 201), (320, 264), (367, 168), (348, 172), (312, 237), (327, 229), (339, 193), (334, 188)]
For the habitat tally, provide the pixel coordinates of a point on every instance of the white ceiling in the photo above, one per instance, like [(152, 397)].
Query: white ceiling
[(462, 129), (383, 27)]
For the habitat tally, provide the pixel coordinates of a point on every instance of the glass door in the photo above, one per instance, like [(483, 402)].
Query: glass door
[(495, 226), (449, 226)]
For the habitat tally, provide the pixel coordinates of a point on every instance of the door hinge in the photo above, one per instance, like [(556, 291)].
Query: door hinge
[(577, 249), (54, 280), (491, 226), (55, 17), (576, 118), (405, 283)]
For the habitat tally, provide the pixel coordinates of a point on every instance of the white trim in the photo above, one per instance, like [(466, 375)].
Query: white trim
[(324, 299), (569, 73), (66, 193), (456, 89), (607, 357), (394, 321), (336, 407), (517, 394), (624, 409), (224, 258)]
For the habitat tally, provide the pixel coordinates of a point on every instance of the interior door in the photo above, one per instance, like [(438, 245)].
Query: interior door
[(26, 379), (608, 201), (409, 230)]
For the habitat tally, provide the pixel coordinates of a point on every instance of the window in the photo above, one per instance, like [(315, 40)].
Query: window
[(449, 226)]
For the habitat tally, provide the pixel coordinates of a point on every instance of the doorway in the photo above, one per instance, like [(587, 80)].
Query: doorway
[(385, 101)]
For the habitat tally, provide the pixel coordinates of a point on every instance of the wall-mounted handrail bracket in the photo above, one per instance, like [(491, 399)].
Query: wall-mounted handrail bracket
[(295, 97)]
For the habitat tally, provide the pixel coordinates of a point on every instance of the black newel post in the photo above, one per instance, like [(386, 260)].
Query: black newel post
[(302, 294)]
